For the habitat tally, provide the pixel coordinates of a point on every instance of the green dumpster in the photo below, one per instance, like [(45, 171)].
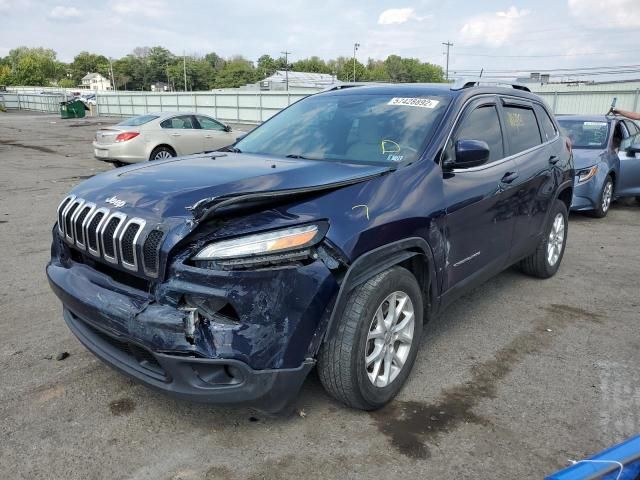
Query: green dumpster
[(72, 109)]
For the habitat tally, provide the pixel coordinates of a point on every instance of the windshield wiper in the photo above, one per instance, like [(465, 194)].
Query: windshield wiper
[(300, 157)]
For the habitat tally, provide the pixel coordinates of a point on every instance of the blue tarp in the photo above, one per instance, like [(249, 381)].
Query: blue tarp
[(621, 462)]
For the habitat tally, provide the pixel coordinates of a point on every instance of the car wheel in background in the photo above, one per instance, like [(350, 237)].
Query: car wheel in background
[(370, 355), (606, 196), (118, 164), (162, 153), (545, 260)]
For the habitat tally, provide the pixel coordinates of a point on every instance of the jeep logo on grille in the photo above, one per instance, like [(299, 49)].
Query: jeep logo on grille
[(116, 202)]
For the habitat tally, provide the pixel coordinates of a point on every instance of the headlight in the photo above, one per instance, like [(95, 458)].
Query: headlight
[(277, 241), (586, 174)]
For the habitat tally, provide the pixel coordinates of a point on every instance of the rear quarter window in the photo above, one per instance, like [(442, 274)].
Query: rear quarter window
[(549, 131), (521, 129), (137, 121)]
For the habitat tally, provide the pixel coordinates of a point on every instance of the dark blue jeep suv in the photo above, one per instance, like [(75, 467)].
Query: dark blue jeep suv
[(325, 237)]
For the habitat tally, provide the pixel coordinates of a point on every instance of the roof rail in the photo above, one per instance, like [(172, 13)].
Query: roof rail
[(341, 86), (478, 82)]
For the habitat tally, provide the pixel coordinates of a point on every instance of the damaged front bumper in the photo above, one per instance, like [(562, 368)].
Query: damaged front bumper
[(260, 359)]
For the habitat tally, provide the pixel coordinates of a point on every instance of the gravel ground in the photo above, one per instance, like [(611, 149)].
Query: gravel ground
[(511, 382)]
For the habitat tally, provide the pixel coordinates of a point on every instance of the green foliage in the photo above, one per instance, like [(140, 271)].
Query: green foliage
[(86, 62), (31, 66), (237, 72), (145, 66)]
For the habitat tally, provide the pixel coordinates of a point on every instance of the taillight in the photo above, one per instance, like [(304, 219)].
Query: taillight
[(123, 137)]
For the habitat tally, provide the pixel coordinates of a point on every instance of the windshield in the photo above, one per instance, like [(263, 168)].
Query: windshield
[(136, 121), (584, 133), (354, 128)]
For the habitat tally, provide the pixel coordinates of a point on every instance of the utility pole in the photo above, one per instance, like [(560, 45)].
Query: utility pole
[(286, 68), (356, 46), (448, 44), (184, 67), (113, 81)]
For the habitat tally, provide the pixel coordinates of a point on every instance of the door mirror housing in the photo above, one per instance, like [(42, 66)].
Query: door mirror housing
[(227, 128), (470, 153), (633, 149)]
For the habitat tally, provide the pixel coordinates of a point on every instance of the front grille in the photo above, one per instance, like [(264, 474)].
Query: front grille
[(110, 236), (136, 356)]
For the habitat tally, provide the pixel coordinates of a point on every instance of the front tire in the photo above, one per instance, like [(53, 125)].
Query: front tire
[(369, 357), (162, 153), (545, 260), (606, 196)]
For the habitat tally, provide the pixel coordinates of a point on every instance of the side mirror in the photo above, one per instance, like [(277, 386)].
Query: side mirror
[(633, 149), (227, 128), (470, 153)]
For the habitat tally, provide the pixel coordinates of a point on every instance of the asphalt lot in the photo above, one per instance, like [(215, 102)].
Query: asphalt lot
[(511, 382)]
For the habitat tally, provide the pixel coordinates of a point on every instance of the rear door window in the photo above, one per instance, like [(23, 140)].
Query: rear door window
[(548, 127), (521, 128), (181, 122), (483, 124)]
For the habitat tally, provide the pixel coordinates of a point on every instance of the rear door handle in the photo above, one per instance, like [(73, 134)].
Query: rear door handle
[(553, 159), (509, 177), (208, 136), (175, 134)]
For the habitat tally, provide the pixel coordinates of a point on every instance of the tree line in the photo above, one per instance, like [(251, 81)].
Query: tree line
[(146, 66)]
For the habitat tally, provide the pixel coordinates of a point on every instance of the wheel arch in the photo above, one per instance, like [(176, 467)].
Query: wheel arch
[(413, 253)]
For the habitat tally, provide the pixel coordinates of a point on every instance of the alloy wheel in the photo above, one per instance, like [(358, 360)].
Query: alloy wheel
[(162, 155), (389, 339), (607, 194), (556, 239)]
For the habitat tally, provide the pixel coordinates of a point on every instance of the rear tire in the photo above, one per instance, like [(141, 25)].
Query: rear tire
[(162, 153), (365, 363), (545, 260), (605, 199)]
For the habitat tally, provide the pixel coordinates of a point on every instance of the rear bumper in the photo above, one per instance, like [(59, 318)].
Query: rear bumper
[(192, 378), (126, 152)]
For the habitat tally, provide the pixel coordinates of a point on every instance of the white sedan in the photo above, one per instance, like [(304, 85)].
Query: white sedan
[(157, 136)]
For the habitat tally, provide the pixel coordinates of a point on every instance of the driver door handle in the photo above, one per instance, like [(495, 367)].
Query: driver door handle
[(553, 159), (509, 177)]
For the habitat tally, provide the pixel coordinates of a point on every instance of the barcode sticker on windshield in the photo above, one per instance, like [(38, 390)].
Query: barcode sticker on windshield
[(414, 102)]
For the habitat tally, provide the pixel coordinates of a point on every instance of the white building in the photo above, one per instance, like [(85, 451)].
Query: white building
[(297, 80), (96, 82)]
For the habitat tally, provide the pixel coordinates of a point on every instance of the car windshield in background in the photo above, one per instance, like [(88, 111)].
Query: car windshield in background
[(353, 128), (585, 133), (137, 121)]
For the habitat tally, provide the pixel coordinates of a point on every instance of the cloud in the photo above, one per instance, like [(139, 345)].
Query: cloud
[(493, 29), (64, 13), (394, 16), (610, 14), (146, 8)]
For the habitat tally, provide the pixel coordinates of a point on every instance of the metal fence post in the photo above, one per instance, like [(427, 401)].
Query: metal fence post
[(554, 108), (238, 107), (260, 106), (635, 100), (195, 103), (146, 104), (215, 105)]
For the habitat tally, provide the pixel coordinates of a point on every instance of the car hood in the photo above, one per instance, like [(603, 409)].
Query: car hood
[(186, 187), (584, 157)]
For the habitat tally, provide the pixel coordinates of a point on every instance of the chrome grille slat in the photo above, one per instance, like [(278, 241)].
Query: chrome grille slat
[(80, 225), (134, 243), (117, 219), (128, 242)]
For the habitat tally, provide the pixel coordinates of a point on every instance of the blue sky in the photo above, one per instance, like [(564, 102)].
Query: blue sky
[(495, 35)]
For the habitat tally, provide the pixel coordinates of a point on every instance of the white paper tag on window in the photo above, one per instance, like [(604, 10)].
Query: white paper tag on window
[(414, 102), (595, 124)]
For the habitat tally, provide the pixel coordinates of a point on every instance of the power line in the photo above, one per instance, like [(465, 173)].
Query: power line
[(542, 56)]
